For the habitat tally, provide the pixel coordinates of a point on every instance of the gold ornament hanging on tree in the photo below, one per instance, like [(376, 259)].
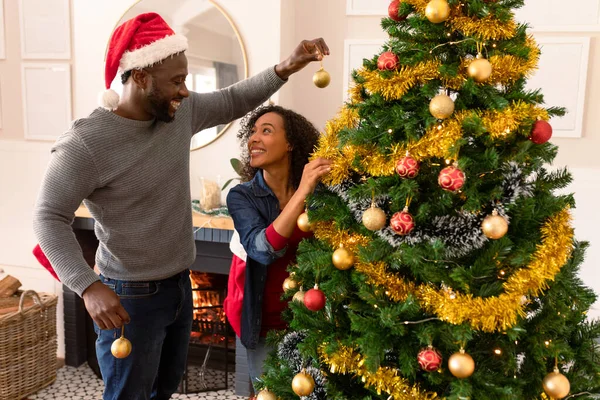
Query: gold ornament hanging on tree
[(441, 106), (461, 365), (303, 384), (494, 226), (480, 69), (265, 394), (289, 283), (437, 11), (121, 348), (303, 223), (299, 296), (342, 258), (374, 218), (556, 385)]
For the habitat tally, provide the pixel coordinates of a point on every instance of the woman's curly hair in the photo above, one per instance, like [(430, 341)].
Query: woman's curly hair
[(299, 132)]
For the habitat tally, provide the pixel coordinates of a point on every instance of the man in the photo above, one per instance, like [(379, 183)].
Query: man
[(129, 163)]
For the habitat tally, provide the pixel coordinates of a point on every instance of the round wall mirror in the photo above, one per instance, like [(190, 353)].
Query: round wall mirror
[(216, 54)]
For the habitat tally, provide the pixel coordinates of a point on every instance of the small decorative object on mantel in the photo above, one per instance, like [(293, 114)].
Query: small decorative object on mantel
[(8, 286), (210, 195)]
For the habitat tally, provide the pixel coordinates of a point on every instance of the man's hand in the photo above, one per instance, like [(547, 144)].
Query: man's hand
[(104, 306), (306, 52)]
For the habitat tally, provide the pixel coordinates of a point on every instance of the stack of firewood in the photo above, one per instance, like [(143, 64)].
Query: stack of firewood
[(10, 295)]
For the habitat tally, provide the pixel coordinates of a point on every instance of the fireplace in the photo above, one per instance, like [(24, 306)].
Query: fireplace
[(214, 352)]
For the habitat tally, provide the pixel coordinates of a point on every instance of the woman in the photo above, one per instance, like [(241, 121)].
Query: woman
[(277, 179)]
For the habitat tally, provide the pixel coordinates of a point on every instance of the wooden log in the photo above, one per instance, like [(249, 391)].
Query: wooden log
[(8, 286), (11, 304)]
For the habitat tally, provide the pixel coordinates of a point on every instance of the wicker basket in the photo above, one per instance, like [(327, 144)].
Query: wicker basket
[(28, 347)]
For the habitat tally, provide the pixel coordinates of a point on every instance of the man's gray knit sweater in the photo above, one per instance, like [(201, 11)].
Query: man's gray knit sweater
[(133, 176)]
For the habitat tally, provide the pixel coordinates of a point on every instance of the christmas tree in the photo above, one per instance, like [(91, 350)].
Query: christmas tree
[(444, 263)]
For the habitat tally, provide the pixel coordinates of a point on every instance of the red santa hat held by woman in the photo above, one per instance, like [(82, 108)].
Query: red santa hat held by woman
[(138, 43)]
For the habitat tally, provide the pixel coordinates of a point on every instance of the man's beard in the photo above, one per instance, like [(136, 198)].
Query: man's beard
[(159, 106)]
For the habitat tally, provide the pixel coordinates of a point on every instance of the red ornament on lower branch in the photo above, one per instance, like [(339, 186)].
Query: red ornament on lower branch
[(402, 222), (429, 359), (541, 132), (314, 299), (451, 178)]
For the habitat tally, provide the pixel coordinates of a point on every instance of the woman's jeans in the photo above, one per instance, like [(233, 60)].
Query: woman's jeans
[(159, 331)]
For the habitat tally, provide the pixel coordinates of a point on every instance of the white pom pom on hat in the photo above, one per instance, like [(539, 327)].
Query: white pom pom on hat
[(108, 99), (138, 43)]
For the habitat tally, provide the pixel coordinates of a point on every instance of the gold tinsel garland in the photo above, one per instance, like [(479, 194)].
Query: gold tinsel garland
[(505, 69), (484, 28), (437, 142), (384, 380), (489, 314)]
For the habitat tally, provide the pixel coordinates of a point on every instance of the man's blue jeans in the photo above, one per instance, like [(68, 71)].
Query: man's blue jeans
[(159, 331)]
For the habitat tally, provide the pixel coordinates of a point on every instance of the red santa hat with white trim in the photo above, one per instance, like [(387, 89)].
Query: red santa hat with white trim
[(138, 43)]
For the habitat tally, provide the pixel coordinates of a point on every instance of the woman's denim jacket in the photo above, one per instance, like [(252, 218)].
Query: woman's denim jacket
[(253, 207)]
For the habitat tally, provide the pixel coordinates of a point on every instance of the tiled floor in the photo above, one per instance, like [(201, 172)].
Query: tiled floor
[(81, 384)]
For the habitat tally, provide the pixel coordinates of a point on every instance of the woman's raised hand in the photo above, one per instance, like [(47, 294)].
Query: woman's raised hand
[(313, 171)]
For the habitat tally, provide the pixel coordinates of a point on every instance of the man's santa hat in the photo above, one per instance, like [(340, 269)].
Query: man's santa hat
[(138, 43)]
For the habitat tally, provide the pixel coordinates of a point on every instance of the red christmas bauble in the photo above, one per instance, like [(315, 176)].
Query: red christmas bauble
[(393, 11), (387, 61), (407, 167), (451, 178), (314, 299), (541, 132), (429, 359), (402, 223)]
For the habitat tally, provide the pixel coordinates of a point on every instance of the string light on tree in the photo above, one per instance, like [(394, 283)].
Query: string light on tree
[(494, 226), (461, 364), (437, 11)]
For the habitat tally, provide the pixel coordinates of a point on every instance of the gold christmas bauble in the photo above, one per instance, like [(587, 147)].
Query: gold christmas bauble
[(303, 223), (374, 218), (299, 296), (461, 365), (321, 78), (480, 69), (441, 106), (437, 11), (121, 347), (303, 384), (342, 259), (289, 284), (556, 385), (494, 226), (266, 395)]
